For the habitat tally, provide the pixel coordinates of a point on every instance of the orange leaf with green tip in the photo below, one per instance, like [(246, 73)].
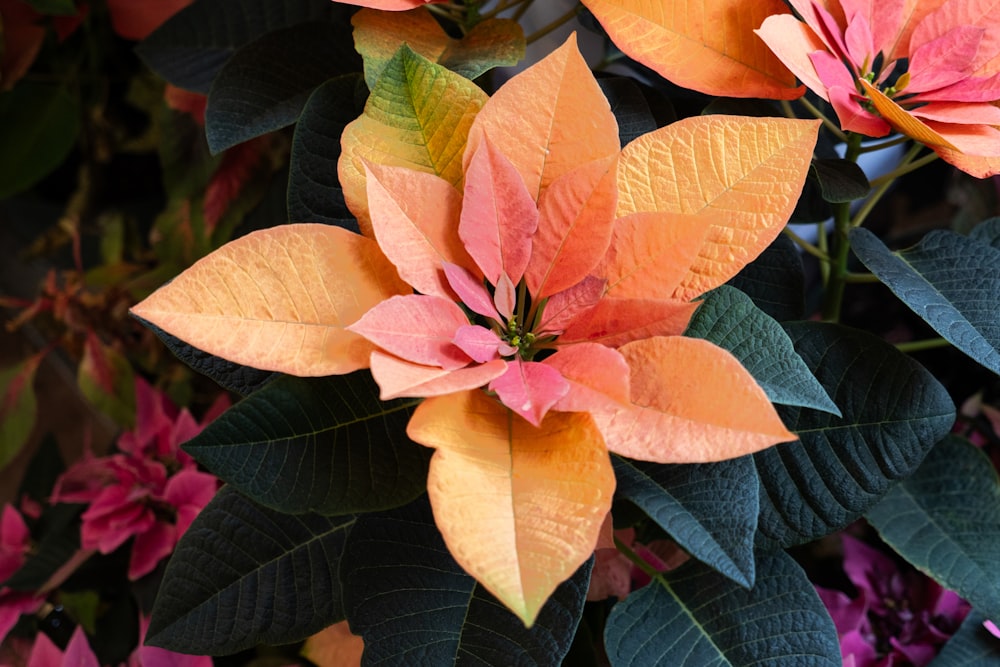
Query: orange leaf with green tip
[(415, 221), (692, 402), (490, 43), (418, 116), (743, 175), (548, 120), (707, 46), (519, 507), (279, 299)]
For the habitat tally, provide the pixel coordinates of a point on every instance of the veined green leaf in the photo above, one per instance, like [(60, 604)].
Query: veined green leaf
[(951, 281), (413, 604), (39, 123), (17, 406), (325, 445), (708, 509), (775, 281), (695, 617), (728, 318), (971, 646), (893, 410), (945, 520), (243, 575), (265, 84)]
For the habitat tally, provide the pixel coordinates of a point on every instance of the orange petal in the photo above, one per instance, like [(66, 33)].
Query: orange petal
[(576, 216), (792, 41), (705, 46), (651, 253), (519, 507), (598, 377), (397, 378), (414, 217), (902, 120), (549, 119), (334, 647), (279, 299), (744, 175), (614, 322), (692, 403)]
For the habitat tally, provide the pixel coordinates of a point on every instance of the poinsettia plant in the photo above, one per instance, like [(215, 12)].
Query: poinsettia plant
[(527, 367)]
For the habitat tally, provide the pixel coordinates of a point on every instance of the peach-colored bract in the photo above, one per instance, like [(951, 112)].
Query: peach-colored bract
[(851, 53)]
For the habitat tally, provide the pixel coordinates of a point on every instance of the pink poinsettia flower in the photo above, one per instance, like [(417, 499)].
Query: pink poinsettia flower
[(391, 5), (14, 545), (151, 491), (615, 575), (929, 69), (898, 617)]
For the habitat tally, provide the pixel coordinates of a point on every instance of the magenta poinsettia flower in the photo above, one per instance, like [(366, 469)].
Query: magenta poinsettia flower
[(929, 69), (151, 491), (897, 618), (14, 545)]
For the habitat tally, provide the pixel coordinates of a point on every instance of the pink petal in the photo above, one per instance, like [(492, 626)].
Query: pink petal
[(957, 112), (499, 215), (480, 343), (505, 296), (398, 378), (78, 651), (858, 41), (45, 653), (792, 41), (154, 656), (190, 487), (416, 327), (149, 548), (563, 307), (470, 291), (615, 322), (831, 71), (530, 388), (884, 19), (992, 628), (598, 377), (971, 89), (945, 60), (852, 116), (12, 606)]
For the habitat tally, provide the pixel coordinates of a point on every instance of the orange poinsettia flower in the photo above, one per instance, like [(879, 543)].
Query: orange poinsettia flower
[(929, 69), (538, 308)]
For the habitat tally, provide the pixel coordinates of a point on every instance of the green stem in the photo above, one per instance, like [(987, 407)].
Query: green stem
[(834, 296), (918, 345), (565, 18), (806, 246), (871, 148), (885, 182), (906, 167), (636, 559)]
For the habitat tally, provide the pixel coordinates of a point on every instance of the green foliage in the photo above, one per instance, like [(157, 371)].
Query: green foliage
[(694, 617), (324, 445), (971, 646), (17, 407), (945, 520), (244, 575), (775, 281)]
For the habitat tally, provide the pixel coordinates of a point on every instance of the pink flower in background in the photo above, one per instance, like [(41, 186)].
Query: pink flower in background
[(615, 575), (898, 617), (14, 544), (151, 491)]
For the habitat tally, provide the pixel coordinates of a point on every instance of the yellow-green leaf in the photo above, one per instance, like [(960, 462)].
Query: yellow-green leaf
[(418, 116), (279, 299), (707, 46), (491, 43), (742, 174), (519, 507)]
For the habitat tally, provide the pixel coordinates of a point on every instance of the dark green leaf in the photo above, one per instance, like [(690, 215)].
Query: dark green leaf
[(988, 231), (190, 48), (326, 445), (694, 617), (893, 413), (945, 520), (244, 575), (314, 192), (265, 84), (839, 181), (242, 380), (710, 510), (728, 318), (735, 106), (949, 280), (775, 281), (413, 604), (39, 123), (971, 646)]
